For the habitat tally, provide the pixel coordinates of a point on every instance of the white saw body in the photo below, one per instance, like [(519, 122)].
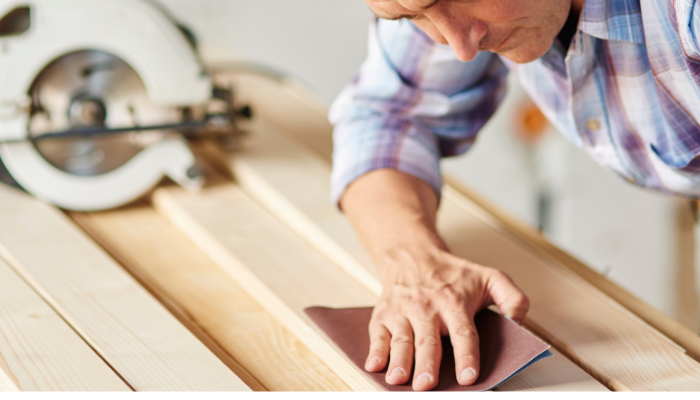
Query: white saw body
[(96, 63)]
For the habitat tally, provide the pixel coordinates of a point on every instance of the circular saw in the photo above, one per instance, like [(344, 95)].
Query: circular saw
[(96, 98)]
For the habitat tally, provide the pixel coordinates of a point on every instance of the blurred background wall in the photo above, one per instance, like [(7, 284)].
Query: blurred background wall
[(633, 236), (322, 43)]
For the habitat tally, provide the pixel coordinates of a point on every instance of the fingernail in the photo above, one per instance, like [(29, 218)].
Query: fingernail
[(397, 373), (374, 360), (424, 378), (467, 374)]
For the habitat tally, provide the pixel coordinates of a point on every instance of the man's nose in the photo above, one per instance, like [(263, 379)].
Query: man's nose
[(463, 34)]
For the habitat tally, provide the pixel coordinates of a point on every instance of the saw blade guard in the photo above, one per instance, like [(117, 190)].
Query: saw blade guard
[(138, 69), (93, 89), (135, 31)]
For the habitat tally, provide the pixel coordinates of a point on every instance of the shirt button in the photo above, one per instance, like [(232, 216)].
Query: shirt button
[(592, 125)]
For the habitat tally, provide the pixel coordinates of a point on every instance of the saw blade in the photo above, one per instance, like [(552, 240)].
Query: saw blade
[(93, 89)]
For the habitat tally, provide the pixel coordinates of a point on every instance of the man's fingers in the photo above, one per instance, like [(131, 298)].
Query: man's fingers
[(465, 342), (401, 353), (428, 354), (379, 339), (510, 300)]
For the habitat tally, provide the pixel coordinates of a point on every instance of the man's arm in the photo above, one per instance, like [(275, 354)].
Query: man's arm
[(428, 292), (412, 103)]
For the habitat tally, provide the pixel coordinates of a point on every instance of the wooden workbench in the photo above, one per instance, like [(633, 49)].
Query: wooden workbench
[(227, 271)]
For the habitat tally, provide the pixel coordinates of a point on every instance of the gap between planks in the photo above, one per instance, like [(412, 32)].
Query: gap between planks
[(105, 237), (265, 252), (206, 299), (129, 329), (39, 351)]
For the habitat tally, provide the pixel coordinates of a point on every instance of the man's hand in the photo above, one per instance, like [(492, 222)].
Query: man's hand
[(428, 292)]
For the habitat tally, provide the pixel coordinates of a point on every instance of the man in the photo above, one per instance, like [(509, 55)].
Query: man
[(618, 77)]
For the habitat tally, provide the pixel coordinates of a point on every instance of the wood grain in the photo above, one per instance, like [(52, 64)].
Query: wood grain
[(590, 328), (302, 201), (535, 242), (284, 103), (206, 299), (286, 275), (553, 374), (129, 329), (276, 267), (686, 296), (152, 249), (39, 351), (579, 320)]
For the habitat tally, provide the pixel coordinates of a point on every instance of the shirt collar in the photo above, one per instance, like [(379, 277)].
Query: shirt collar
[(613, 20)]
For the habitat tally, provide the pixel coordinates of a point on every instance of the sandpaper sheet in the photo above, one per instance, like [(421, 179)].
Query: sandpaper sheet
[(506, 348)]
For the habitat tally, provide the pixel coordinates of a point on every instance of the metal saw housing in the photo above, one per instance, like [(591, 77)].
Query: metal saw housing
[(134, 31)]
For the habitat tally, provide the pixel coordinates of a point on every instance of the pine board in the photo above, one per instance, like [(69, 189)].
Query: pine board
[(127, 327), (277, 268), (537, 243), (603, 337), (197, 290), (302, 202), (39, 351), (598, 334), (286, 275), (284, 102)]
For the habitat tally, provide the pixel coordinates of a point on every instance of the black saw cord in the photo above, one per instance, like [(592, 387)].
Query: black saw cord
[(93, 131), (102, 131)]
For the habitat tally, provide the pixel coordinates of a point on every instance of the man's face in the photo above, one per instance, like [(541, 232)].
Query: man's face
[(520, 30)]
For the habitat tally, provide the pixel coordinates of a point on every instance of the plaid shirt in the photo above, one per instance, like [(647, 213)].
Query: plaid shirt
[(627, 91)]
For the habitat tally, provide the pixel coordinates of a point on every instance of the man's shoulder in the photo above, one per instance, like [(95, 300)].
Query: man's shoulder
[(674, 25)]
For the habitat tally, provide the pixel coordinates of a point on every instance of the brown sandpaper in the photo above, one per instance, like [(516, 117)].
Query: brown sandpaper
[(506, 348)]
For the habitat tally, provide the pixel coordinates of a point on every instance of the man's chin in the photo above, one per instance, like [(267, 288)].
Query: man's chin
[(524, 54)]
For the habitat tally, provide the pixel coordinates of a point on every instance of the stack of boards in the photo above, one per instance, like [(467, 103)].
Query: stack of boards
[(206, 291)]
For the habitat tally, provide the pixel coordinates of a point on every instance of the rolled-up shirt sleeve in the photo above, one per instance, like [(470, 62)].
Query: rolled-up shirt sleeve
[(411, 103)]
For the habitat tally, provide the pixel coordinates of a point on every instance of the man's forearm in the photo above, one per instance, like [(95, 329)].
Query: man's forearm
[(391, 209), (427, 291)]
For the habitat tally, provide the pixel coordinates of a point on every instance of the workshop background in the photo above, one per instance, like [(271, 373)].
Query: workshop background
[(639, 239)]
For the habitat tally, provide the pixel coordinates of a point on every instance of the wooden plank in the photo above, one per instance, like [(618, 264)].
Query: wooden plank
[(686, 300), (294, 112), (284, 103), (532, 239), (286, 275), (553, 374), (303, 202), (39, 351), (129, 329), (277, 268), (587, 326), (204, 297), (151, 248), (604, 338)]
